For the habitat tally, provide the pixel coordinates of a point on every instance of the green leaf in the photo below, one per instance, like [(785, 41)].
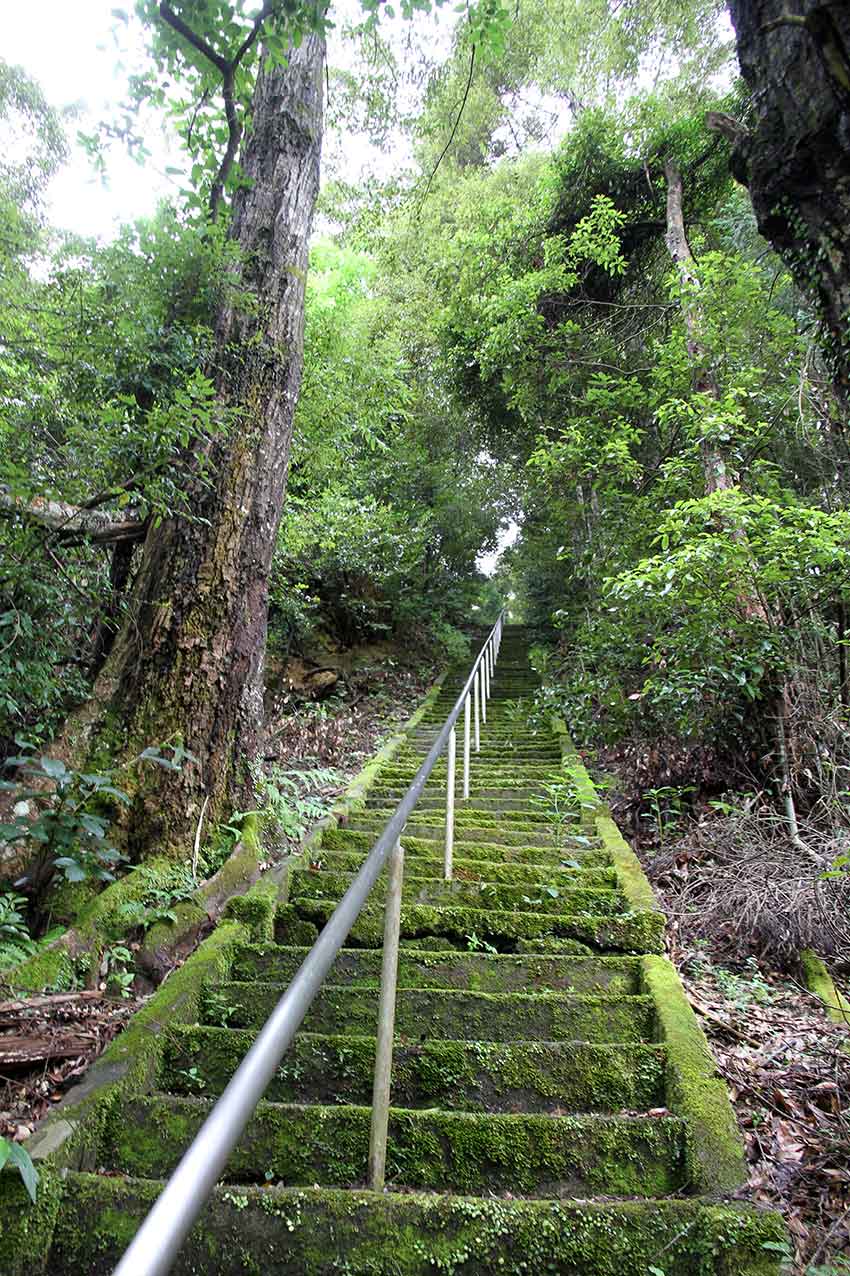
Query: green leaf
[(72, 869), (21, 1159), (54, 767)]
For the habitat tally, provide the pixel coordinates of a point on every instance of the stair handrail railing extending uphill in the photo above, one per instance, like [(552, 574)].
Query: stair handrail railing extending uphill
[(157, 1242)]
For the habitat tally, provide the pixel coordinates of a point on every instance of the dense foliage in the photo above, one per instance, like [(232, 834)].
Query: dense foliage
[(508, 332)]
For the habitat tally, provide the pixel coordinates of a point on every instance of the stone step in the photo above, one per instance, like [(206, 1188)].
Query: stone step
[(291, 1232), (579, 849), (516, 796), (637, 932), (420, 868), (492, 831), (470, 1076), (467, 971), (465, 894), (300, 1145), (444, 1014), (498, 813)]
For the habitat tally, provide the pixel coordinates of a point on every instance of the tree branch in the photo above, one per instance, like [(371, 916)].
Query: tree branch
[(454, 127), (227, 67), (72, 524), (191, 37)]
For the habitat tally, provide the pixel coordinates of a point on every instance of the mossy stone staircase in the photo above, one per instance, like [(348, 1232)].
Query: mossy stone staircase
[(555, 1108)]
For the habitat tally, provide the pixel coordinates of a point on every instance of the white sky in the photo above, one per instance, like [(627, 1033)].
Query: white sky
[(73, 56), (77, 61)]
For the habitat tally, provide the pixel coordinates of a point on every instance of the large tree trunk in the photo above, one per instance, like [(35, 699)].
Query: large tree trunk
[(187, 666), (796, 157)]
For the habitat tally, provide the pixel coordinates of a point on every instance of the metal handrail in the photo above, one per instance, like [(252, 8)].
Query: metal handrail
[(157, 1242)]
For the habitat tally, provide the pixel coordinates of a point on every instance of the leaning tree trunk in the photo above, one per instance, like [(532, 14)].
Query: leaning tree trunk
[(795, 158), (187, 666)]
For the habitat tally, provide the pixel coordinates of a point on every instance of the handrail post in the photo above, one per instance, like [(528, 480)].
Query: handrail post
[(386, 1022), (477, 699), (482, 670), (466, 724), (450, 806)]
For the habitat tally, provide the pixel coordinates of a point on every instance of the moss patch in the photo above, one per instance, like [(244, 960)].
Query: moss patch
[(715, 1152), (444, 1014)]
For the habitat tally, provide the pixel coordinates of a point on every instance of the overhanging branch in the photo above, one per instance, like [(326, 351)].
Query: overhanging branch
[(72, 524)]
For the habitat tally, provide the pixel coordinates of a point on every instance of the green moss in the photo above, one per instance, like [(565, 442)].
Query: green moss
[(463, 1075), (256, 910), (471, 971), (633, 881), (26, 1229), (625, 933), (572, 898), (819, 981), (52, 968), (714, 1153), (290, 928), (510, 849)]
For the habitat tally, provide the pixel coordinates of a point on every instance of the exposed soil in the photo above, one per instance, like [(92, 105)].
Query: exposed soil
[(788, 1071)]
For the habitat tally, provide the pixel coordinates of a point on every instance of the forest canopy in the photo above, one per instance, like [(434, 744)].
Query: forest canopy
[(561, 317)]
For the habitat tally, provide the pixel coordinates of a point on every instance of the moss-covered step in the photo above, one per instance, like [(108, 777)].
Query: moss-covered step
[(517, 797), (420, 868), (586, 850), (479, 815), (503, 774), (433, 829), (273, 1231), (469, 971), (500, 812), (465, 894), (469, 1076), (445, 1013), (551, 1156), (633, 932), (525, 807)]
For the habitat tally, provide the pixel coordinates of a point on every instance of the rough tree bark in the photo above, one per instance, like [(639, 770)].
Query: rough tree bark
[(795, 156), (187, 665)]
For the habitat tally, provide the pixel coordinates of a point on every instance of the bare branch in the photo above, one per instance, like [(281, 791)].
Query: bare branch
[(71, 523)]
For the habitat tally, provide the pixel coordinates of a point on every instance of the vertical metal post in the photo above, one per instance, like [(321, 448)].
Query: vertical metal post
[(466, 716), (477, 700), (386, 1022), (482, 678), (450, 806)]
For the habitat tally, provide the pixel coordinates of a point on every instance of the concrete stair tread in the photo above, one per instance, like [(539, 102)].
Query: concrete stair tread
[(530, 1077), (446, 1013), (627, 932), (469, 971), (422, 868), (301, 1144), (529, 898)]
